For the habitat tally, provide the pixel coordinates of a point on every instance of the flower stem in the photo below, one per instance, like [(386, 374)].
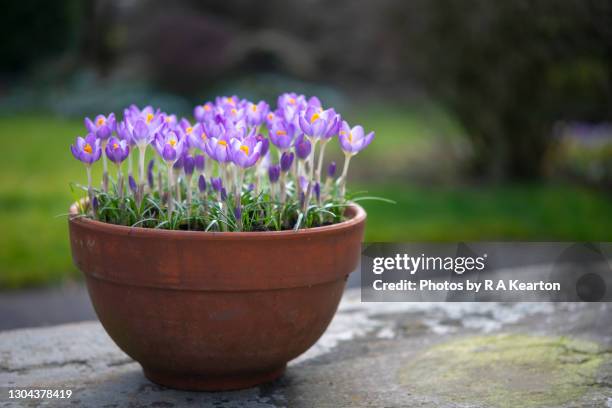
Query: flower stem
[(342, 179), (120, 182), (177, 185), (130, 165), (237, 203), (142, 150), (320, 164), (310, 187), (160, 185), (188, 181), (105, 167), (311, 159), (170, 182), (283, 187), (90, 191)]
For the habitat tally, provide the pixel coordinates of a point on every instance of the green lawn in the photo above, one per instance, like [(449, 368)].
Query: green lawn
[(37, 168), (536, 212)]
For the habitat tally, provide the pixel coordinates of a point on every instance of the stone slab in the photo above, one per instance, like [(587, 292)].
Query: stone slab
[(373, 354)]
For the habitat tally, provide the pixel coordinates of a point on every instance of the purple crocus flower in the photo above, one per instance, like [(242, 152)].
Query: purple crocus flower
[(286, 161), (314, 101), (352, 141), (265, 144), (123, 133), (317, 191), (87, 150), (188, 164), (170, 146), (303, 187), (185, 126), (274, 173), (170, 121), (102, 126), (142, 125), (200, 161), (331, 169), (141, 134), (202, 132), (218, 149), (234, 114), (282, 134), (303, 183), (204, 112), (302, 147), (117, 150), (227, 102), (132, 184), (291, 100), (202, 183), (256, 113), (271, 117), (317, 123), (216, 183), (178, 164), (245, 153)]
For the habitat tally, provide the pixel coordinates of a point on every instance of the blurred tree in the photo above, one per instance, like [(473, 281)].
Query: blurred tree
[(510, 69), (31, 30), (96, 46)]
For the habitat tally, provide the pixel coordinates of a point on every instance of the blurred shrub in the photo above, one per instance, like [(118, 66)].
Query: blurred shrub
[(185, 51), (510, 69), (584, 152), (85, 95)]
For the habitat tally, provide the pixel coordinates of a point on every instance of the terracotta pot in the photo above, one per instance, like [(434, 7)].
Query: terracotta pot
[(215, 310)]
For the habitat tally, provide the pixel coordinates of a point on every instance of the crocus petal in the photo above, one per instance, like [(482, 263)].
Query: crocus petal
[(141, 131), (201, 183), (331, 169), (89, 125), (305, 126), (168, 153), (75, 152)]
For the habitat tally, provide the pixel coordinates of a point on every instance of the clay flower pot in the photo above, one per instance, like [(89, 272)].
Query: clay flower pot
[(215, 310)]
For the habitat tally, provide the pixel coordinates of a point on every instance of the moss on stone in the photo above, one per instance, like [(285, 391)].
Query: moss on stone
[(508, 370)]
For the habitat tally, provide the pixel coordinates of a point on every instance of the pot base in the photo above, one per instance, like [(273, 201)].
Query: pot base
[(212, 383)]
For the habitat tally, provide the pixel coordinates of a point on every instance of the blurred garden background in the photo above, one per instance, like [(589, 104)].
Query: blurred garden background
[(492, 119)]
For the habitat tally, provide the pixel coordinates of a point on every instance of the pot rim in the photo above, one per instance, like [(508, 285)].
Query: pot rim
[(358, 216)]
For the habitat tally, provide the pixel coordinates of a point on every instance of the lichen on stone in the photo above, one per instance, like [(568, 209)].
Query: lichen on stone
[(507, 370)]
